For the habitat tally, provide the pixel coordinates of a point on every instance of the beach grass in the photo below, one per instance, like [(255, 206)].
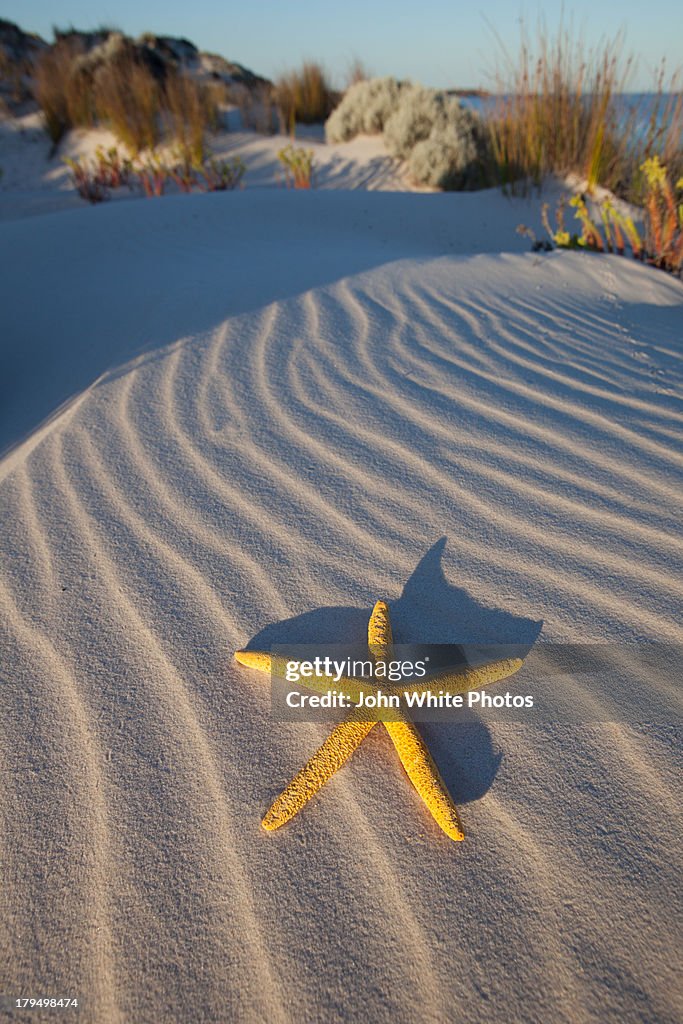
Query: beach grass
[(124, 93), (560, 109), (304, 96)]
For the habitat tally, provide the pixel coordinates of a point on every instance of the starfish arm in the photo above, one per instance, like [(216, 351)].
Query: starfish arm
[(468, 678), (424, 775), (261, 661), (410, 747), (380, 636), (277, 666), (328, 758), (333, 753)]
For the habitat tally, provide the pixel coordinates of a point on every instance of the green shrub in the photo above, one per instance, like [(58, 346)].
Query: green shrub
[(449, 162)]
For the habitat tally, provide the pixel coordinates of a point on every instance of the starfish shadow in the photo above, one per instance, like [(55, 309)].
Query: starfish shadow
[(435, 611), (430, 610)]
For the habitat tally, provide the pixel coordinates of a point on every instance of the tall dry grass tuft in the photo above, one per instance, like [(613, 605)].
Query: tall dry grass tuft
[(119, 83), (192, 109), (51, 89), (128, 98), (257, 107), (560, 109), (64, 87), (554, 111), (305, 96), (664, 136), (357, 72)]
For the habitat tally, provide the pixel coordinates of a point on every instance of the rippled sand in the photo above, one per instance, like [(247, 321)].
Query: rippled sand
[(344, 402)]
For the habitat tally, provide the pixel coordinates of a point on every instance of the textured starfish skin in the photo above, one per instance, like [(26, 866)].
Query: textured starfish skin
[(348, 735), (328, 758), (410, 746)]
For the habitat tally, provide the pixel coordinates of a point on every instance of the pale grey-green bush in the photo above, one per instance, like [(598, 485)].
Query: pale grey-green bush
[(419, 111), (365, 108), (442, 161), (444, 144)]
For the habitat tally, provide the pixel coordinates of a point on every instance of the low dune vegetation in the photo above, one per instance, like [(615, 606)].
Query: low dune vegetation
[(152, 175), (297, 164), (558, 108), (610, 227)]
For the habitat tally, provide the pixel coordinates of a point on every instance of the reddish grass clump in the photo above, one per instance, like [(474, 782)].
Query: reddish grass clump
[(663, 217), (87, 181), (109, 170), (298, 165), (222, 175)]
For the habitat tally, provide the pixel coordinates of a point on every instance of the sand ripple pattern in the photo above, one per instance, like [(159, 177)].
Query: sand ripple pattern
[(303, 457)]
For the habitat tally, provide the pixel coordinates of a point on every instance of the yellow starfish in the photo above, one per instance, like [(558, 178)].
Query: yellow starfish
[(348, 735)]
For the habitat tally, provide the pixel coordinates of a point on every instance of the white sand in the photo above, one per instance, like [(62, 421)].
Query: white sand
[(273, 405)]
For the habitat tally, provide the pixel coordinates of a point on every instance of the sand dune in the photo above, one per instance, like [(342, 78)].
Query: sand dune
[(257, 443)]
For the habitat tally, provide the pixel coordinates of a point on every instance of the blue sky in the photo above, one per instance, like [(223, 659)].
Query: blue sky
[(439, 42)]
